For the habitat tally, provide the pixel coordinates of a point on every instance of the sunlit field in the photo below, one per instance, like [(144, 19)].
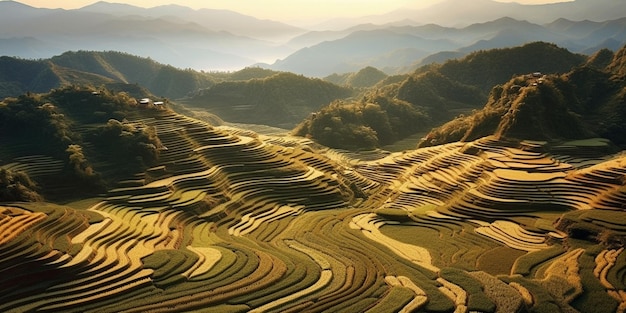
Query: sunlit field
[(230, 221)]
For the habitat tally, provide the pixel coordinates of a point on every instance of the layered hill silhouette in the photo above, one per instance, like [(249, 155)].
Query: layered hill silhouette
[(225, 40), (175, 35), (458, 13), (433, 94), (401, 48)]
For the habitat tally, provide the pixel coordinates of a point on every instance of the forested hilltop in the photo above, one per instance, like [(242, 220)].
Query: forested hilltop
[(281, 99), (86, 138), (429, 96), (588, 101)]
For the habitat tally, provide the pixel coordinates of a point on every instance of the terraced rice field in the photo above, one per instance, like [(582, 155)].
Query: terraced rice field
[(233, 221)]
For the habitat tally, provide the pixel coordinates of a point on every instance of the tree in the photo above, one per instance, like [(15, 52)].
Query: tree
[(17, 186)]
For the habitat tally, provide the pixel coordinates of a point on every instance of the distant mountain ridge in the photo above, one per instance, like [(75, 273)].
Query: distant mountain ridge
[(413, 46), (212, 19), (209, 39), (182, 37), (461, 13)]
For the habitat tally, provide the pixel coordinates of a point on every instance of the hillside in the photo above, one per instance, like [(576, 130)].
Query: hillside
[(83, 133), (18, 76), (365, 77), (278, 100), (583, 103), (437, 93), (227, 220)]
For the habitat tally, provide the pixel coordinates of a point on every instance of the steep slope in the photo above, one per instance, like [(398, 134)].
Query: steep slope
[(487, 68), (438, 93), (618, 64), (18, 76), (582, 103), (160, 79)]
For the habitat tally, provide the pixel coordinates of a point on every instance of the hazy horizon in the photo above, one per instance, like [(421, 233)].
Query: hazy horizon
[(289, 11)]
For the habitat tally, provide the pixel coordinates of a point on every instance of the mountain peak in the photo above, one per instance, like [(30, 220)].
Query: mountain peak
[(112, 8)]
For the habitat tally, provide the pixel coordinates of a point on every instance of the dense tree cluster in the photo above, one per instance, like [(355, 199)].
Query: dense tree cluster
[(366, 77), (54, 124), (78, 162), (584, 102), (375, 120), (129, 141), (278, 100), (17, 186), (249, 73), (487, 68), (32, 116)]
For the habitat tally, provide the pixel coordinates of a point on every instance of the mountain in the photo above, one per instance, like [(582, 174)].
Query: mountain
[(397, 49), (396, 42), (216, 20), (586, 102), (431, 95), (18, 76), (459, 13), (179, 36), (358, 50)]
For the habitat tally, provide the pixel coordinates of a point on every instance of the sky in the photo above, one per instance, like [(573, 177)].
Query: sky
[(280, 10)]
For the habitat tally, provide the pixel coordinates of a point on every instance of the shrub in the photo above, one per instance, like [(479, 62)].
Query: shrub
[(17, 186), (129, 141)]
